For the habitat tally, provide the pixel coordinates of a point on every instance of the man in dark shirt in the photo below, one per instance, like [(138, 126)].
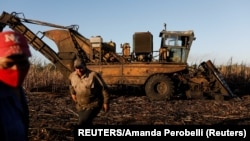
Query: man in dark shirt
[(14, 66)]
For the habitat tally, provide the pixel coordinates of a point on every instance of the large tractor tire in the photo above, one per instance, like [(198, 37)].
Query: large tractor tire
[(159, 87)]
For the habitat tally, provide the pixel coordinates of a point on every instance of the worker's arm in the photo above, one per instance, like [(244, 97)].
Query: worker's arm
[(105, 93), (72, 93), (105, 100), (74, 97)]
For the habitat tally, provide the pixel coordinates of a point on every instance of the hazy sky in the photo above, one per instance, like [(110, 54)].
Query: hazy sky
[(221, 27)]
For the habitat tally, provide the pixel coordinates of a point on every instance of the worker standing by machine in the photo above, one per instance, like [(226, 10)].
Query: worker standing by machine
[(89, 92)]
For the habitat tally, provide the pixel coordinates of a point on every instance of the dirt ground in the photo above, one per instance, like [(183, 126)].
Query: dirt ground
[(53, 116)]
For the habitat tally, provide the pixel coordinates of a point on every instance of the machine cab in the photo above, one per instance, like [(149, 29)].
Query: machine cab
[(175, 45)]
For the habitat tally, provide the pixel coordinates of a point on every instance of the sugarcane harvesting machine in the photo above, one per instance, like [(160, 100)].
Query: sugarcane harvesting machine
[(162, 76)]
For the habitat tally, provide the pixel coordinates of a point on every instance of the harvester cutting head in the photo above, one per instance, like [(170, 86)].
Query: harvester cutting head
[(207, 81)]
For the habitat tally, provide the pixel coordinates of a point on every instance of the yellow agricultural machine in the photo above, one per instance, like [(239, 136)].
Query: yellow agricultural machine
[(161, 76)]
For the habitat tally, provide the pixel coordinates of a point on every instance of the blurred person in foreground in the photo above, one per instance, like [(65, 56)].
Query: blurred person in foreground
[(89, 92), (14, 66)]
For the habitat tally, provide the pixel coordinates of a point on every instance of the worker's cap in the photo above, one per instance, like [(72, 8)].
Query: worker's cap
[(79, 63), (13, 43)]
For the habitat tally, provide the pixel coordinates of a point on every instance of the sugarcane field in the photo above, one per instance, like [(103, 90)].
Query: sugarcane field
[(53, 114)]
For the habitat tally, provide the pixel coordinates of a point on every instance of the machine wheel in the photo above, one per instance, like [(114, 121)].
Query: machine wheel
[(159, 87)]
